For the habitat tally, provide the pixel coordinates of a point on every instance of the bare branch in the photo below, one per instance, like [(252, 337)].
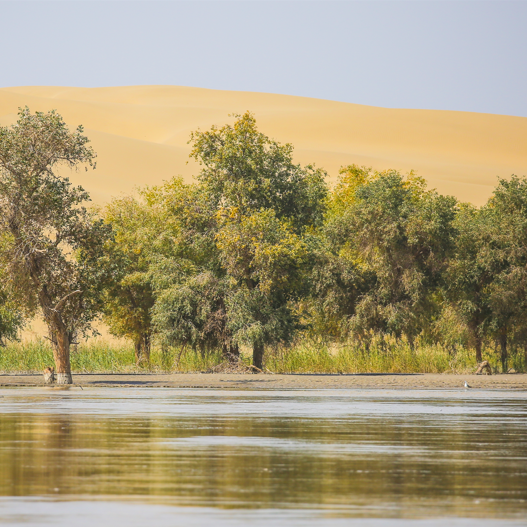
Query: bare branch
[(64, 298)]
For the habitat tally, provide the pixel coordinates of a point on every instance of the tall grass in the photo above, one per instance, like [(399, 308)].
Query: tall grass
[(380, 354), (27, 357), (98, 356), (384, 354), (376, 357)]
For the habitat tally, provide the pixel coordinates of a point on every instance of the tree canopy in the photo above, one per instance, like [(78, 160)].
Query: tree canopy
[(52, 239), (256, 253)]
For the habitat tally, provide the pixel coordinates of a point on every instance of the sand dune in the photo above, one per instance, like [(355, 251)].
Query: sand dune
[(140, 134)]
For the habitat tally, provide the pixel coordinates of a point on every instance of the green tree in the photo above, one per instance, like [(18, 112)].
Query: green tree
[(246, 170), (470, 273), (13, 313), (398, 235), (266, 206), (486, 277), (54, 241), (190, 285), (128, 293), (264, 259), (338, 281), (505, 255), (11, 316), (340, 275)]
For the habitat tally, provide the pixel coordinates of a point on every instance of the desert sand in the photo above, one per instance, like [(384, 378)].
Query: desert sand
[(140, 134), (413, 381)]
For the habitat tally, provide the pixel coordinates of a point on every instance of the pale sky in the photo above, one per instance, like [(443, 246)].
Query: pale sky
[(449, 55)]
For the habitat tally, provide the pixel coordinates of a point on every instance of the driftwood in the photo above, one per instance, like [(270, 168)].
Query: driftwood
[(49, 375), (484, 367)]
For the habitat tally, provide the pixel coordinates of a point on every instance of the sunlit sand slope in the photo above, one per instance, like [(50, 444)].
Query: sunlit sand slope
[(140, 135)]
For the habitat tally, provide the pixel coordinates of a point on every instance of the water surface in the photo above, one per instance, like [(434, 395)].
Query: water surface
[(202, 457)]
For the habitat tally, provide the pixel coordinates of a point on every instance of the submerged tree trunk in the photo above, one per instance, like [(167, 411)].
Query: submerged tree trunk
[(503, 348), (258, 353)]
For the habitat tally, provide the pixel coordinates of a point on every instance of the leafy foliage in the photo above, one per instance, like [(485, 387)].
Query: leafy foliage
[(263, 259), (189, 283), (128, 294), (54, 241), (266, 204), (259, 253), (246, 170), (398, 236)]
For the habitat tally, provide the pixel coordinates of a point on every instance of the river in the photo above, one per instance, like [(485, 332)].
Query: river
[(140, 456)]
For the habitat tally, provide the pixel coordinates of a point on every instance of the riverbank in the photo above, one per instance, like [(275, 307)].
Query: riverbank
[(382, 355), (419, 381)]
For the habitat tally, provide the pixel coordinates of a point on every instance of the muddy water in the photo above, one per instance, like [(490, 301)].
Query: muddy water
[(111, 456)]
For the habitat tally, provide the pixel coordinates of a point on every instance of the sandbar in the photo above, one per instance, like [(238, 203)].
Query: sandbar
[(417, 381)]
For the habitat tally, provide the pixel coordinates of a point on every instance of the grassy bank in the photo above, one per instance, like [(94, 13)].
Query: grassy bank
[(102, 357), (381, 355)]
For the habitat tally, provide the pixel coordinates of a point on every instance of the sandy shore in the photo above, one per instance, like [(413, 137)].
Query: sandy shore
[(282, 382)]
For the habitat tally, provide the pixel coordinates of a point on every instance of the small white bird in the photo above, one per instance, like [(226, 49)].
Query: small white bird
[(466, 385)]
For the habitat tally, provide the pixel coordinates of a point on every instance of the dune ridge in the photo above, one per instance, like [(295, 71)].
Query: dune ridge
[(140, 134)]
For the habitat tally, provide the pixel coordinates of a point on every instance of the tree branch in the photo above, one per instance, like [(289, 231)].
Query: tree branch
[(64, 298)]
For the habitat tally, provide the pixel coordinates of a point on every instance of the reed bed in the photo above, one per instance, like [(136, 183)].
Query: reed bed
[(372, 358), (379, 354), (385, 354), (103, 357)]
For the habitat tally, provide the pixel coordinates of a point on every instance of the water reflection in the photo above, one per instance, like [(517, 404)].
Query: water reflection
[(366, 454)]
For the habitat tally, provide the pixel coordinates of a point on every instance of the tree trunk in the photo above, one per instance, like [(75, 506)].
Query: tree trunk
[(234, 352), (476, 339), (503, 348), (58, 331), (137, 346), (61, 354), (484, 366), (258, 354), (146, 348), (142, 350), (479, 357), (231, 353)]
